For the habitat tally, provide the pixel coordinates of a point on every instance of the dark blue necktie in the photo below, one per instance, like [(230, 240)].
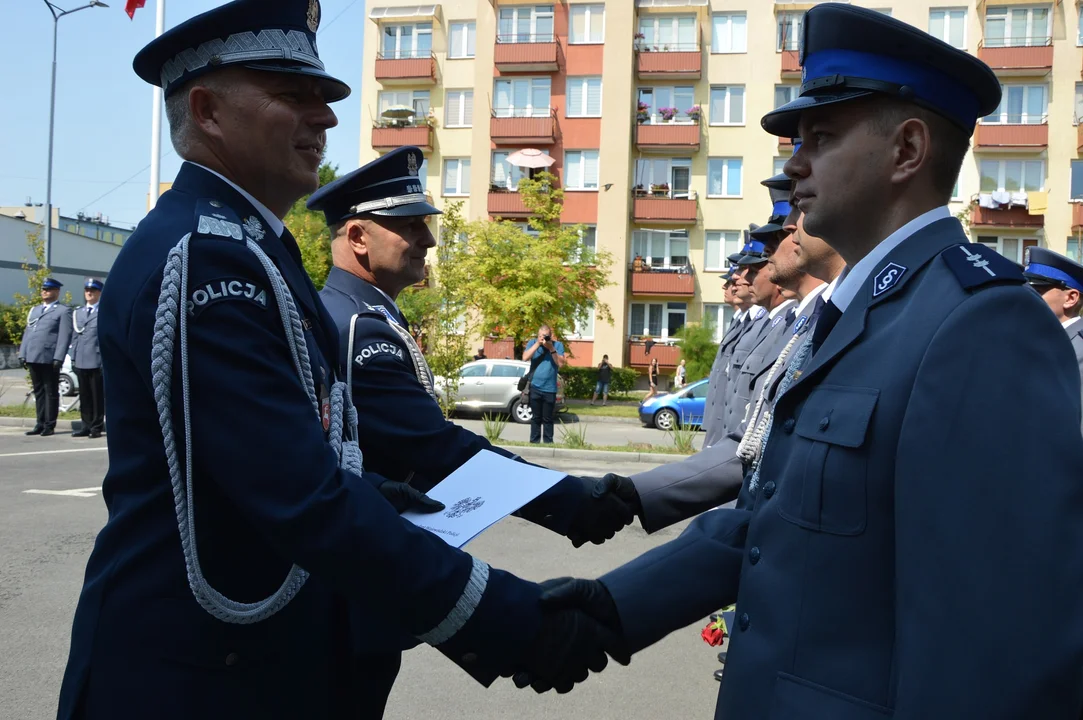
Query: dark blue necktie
[(828, 316)]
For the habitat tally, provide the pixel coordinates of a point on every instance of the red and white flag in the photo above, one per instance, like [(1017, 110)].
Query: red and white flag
[(131, 6)]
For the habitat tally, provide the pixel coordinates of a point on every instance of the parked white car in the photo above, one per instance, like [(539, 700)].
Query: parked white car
[(492, 386), (69, 381)]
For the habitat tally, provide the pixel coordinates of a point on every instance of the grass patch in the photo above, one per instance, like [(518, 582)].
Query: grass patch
[(494, 426), (628, 448), (28, 411), (624, 411), (574, 436)]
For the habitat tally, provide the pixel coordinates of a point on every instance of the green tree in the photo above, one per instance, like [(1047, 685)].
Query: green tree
[(310, 230), (13, 317), (515, 281), (698, 349)]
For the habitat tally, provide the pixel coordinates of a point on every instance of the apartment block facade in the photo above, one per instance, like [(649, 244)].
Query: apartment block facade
[(650, 110)]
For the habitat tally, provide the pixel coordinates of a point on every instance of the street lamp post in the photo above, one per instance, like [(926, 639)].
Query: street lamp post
[(57, 14)]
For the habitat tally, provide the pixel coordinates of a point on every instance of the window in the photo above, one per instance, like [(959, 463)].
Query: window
[(588, 241), (423, 174), (658, 99), (1072, 249), (1077, 180), (673, 173), (417, 99), (525, 24), (1079, 29), (1012, 248), (1078, 102), (1012, 175), (729, 33), (463, 38), (581, 170), (949, 25), (663, 33), (587, 24), (728, 105), (461, 239), (789, 30), (502, 370), (883, 11), (459, 109), (474, 370), (584, 324), (724, 177), (780, 164), (1020, 105), (955, 191), (661, 248), (657, 320), (718, 317), (522, 97), (505, 175), (719, 245), (407, 41), (1017, 26), (785, 94), (584, 97), (457, 176)]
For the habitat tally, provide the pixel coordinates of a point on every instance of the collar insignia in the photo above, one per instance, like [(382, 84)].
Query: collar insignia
[(254, 228)]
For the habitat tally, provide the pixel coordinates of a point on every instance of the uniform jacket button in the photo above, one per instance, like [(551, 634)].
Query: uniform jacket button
[(469, 658), (232, 659), (824, 423), (743, 621), (788, 426), (769, 489), (754, 555)]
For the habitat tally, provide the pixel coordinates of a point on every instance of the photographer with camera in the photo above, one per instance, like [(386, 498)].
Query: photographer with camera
[(546, 357)]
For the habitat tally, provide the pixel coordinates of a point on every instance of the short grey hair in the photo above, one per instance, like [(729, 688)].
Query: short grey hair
[(179, 114)]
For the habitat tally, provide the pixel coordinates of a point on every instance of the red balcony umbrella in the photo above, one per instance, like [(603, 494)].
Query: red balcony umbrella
[(530, 158)]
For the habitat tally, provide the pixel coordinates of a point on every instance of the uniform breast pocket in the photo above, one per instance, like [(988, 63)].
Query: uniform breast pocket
[(825, 485)]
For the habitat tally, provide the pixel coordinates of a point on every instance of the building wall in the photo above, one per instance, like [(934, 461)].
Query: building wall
[(759, 71), (74, 258)]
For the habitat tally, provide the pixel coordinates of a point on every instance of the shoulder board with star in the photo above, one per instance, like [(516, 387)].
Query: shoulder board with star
[(975, 265), (214, 219)]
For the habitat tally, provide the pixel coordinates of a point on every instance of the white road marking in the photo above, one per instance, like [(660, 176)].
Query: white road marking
[(78, 492), (53, 452)]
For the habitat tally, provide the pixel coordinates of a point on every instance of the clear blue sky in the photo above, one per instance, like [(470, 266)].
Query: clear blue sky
[(103, 110)]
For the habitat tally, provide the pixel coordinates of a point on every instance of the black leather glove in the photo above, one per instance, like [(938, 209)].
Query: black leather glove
[(580, 628), (404, 497), (57, 364), (612, 505)]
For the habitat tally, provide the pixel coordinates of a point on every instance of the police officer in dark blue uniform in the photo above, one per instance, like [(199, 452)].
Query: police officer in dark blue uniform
[(86, 360), (42, 351), (899, 555), (245, 544)]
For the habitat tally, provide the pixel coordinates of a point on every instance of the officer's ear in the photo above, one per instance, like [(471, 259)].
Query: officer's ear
[(357, 235)]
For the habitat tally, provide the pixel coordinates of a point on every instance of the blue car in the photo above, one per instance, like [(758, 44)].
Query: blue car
[(682, 408)]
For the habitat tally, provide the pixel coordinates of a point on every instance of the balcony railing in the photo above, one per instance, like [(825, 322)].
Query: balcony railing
[(1012, 136), (517, 126), (527, 53), (390, 136), (1017, 59), (1077, 216), (400, 68), (1011, 217), (668, 355), (664, 282), (661, 206), (669, 61), (1079, 136), (791, 64), (675, 136), (506, 203)]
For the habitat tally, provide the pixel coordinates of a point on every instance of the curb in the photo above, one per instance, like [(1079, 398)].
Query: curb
[(29, 423), (542, 453), (600, 419)]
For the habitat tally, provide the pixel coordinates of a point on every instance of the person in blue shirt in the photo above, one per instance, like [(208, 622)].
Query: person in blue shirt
[(546, 357)]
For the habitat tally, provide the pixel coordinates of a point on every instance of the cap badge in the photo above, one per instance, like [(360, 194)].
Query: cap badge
[(411, 164), (254, 228), (313, 15)]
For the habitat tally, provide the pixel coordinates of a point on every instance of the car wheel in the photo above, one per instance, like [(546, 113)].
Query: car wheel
[(65, 385), (665, 419), (521, 412)]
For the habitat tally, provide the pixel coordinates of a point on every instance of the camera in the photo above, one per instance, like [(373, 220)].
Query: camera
[(547, 338)]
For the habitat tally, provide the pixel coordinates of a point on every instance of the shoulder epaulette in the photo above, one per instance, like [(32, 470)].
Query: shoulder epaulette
[(214, 219), (975, 265)]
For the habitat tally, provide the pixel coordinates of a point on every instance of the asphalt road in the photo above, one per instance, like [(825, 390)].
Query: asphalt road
[(45, 540), (597, 433)]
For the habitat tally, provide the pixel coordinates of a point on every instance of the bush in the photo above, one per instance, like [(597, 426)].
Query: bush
[(579, 382), (12, 324)]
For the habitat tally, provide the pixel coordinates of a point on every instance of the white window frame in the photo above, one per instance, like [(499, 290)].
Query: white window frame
[(725, 175), (948, 23), (529, 110), (469, 28), (1073, 163), (666, 309), (460, 190), (1071, 249), (681, 118), (728, 105), (584, 321), (588, 10), (957, 192), (648, 236), (585, 81), (1078, 111), (1002, 168), (791, 90), (729, 28), (779, 165), (677, 45), (1030, 40), (415, 96), (514, 173), (671, 164), (464, 97), (1001, 117), (417, 29), (1079, 29), (593, 231), (584, 156), (722, 237), (536, 11), (723, 314), (792, 22), (999, 245)]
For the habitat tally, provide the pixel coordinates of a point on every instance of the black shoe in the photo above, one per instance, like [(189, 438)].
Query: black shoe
[(718, 674), (722, 657), (95, 434), (36, 431), (47, 432), (82, 433)]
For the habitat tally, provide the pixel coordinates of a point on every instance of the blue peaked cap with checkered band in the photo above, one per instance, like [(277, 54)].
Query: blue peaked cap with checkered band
[(271, 35), (849, 52), (389, 185)]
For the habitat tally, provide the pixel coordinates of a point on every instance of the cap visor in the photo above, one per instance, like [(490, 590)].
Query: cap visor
[(1039, 279), (751, 260), (413, 209), (778, 182), (783, 121), (333, 88), (766, 231)]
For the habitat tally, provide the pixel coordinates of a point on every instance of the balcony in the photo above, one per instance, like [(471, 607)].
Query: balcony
[(1014, 138), (660, 207), (791, 65), (669, 282), (526, 53), (389, 137), (1012, 217), (1077, 216), (506, 204), (1035, 58), (512, 126), (668, 137), (785, 143), (394, 69), (668, 356), (669, 62), (1079, 136)]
